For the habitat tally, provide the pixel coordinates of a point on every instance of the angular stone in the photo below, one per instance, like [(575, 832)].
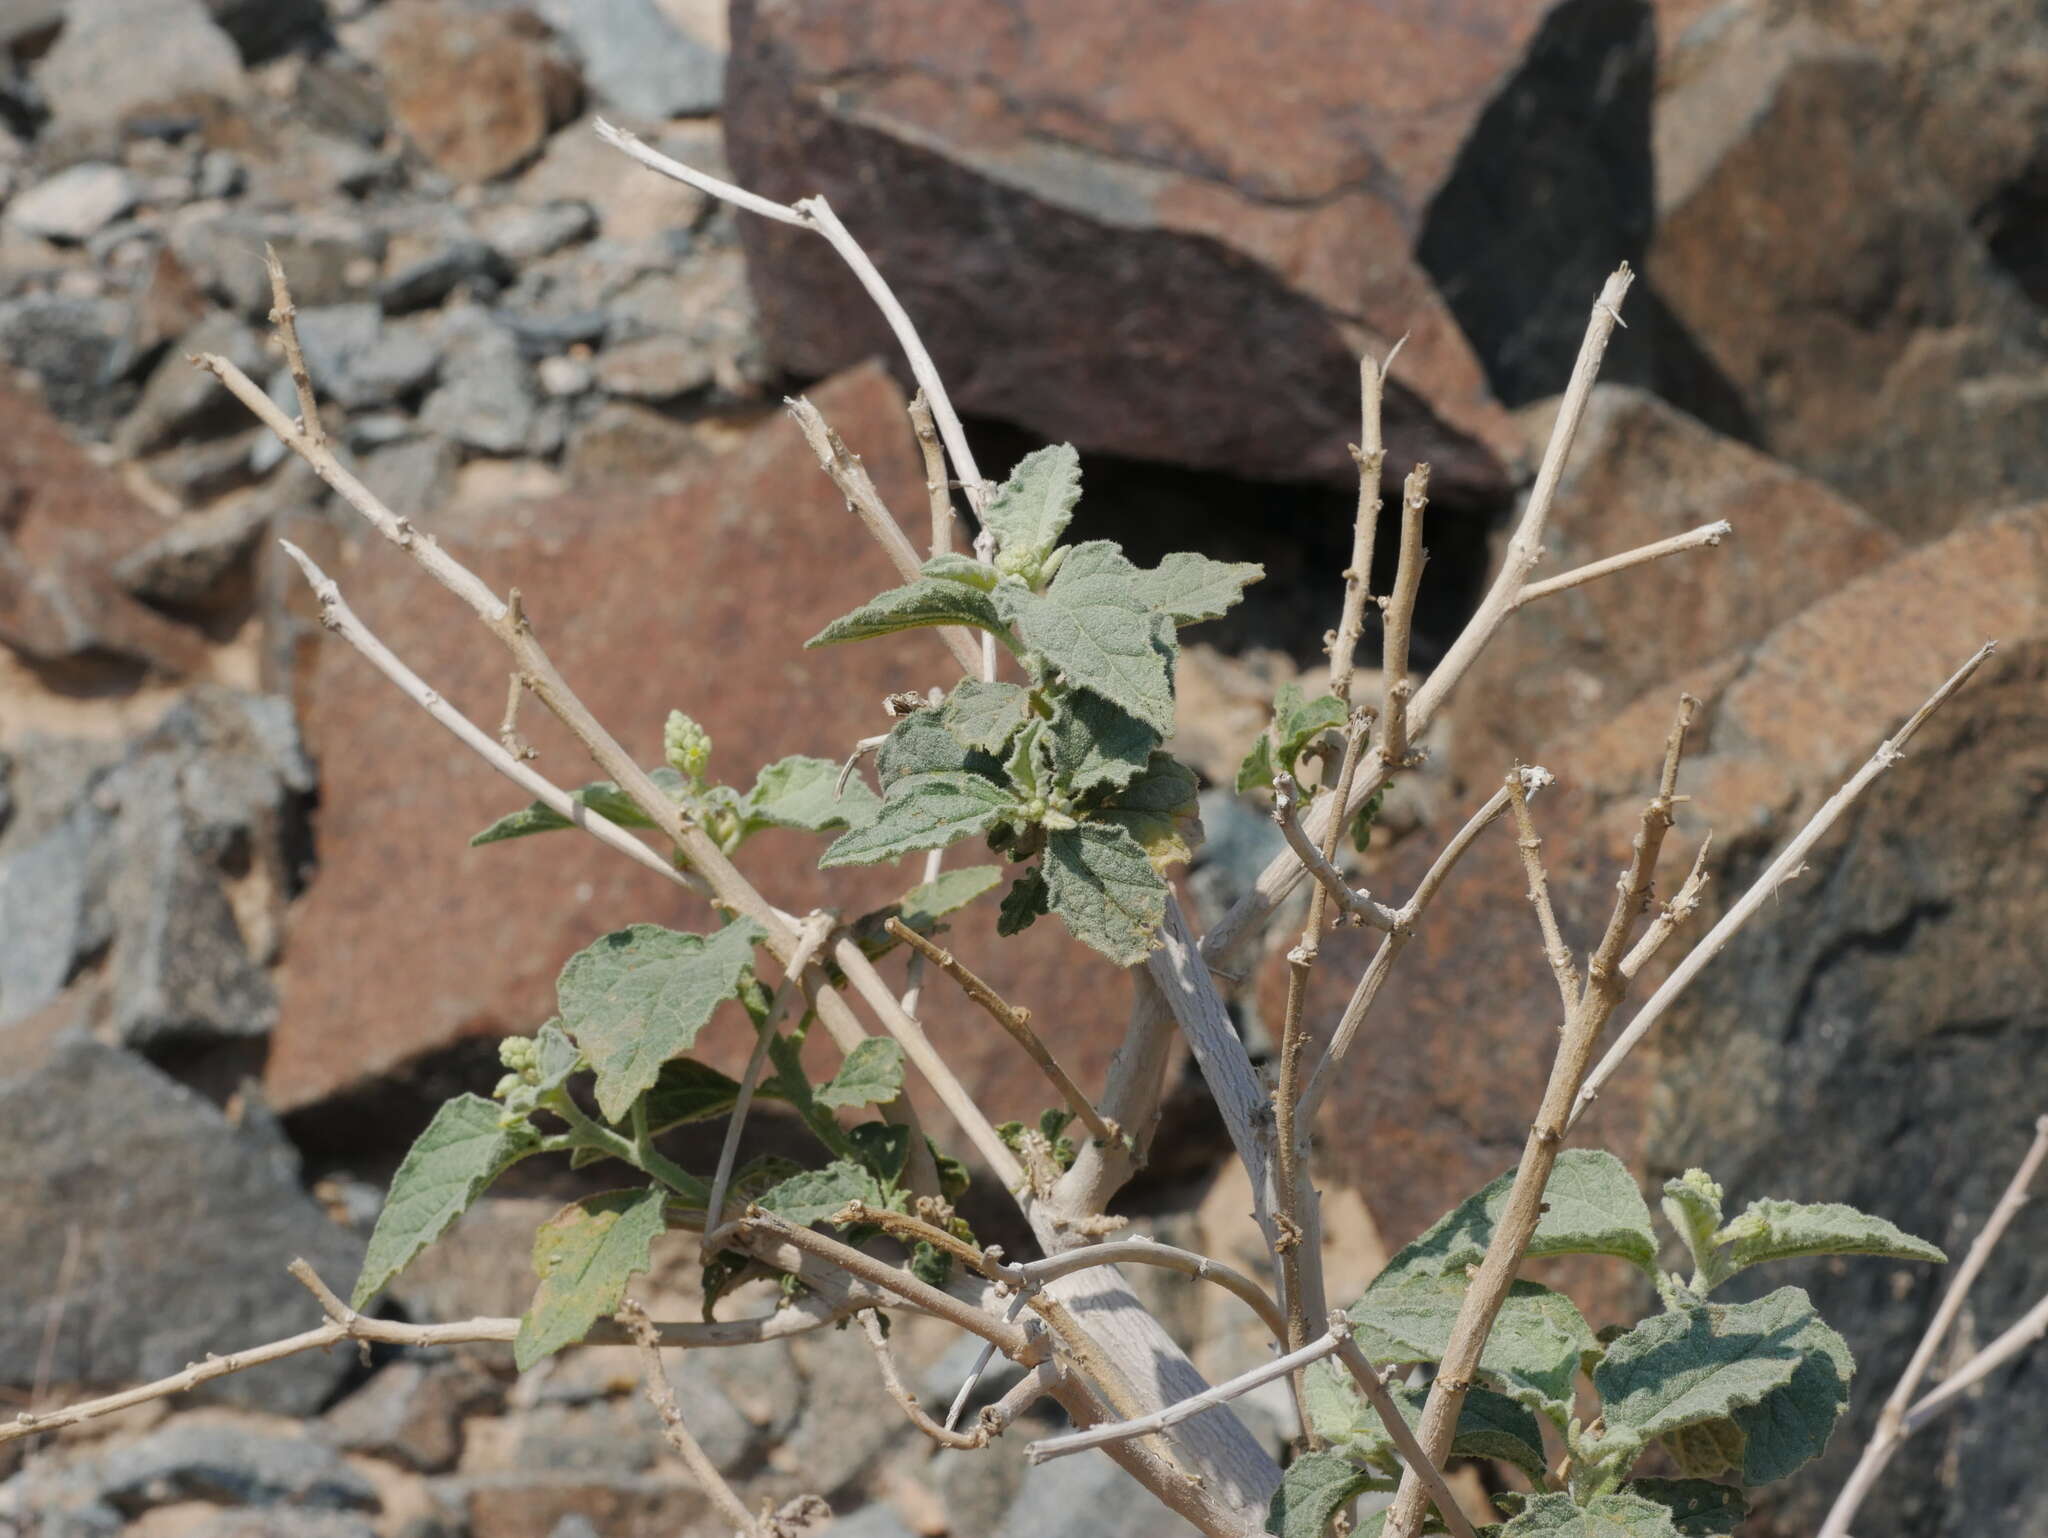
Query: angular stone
[(359, 361), (647, 601), (519, 233), (171, 1201), (624, 442), (535, 1505), (476, 90), (262, 29), (189, 565), (78, 348), (232, 1465), (486, 397), (1444, 178), (327, 260), (635, 60), (179, 401), (52, 909), (632, 204), (89, 76), (655, 368), (75, 203), (1841, 308), (1642, 471), (64, 524), (411, 1413)]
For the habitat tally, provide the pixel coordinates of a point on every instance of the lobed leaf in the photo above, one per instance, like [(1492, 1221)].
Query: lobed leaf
[(803, 792), (464, 1148), (925, 904), (1091, 626), (927, 601), (584, 1257), (922, 811), (689, 1091), (1027, 900), (1692, 1206), (871, 1075), (953, 567), (639, 996), (1538, 1343), (1780, 1230), (1256, 772), (1031, 510), (983, 715), (1605, 1516), (1314, 1489), (1097, 743), (1592, 1208), (1161, 809), (1490, 1425), (1101, 883), (1189, 587), (1791, 1426), (816, 1195)]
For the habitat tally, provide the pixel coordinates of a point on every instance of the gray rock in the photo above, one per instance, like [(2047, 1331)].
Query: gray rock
[(410, 1412), (90, 78), (486, 397), (520, 232), (561, 377), (414, 475), (574, 1526), (220, 175), (77, 348), (361, 362), (178, 400), (75, 203), (328, 260), (206, 468), (655, 368), (53, 912), (431, 276), (26, 23), (284, 1523), (262, 29), (42, 1502), (231, 1465), (636, 60), (875, 1520), (189, 564), (1085, 1496), (174, 1205)]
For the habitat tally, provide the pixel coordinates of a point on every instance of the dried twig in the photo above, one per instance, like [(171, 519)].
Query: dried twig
[(1900, 1415), (662, 1395), (1374, 1387), (1674, 913), (1015, 1022), (1788, 863), (1705, 536), (1355, 903), (892, 1380), (285, 316), (945, 522), (1150, 1252), (1400, 625), (1370, 455), (1531, 847)]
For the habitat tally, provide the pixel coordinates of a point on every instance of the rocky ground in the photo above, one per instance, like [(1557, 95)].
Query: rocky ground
[(244, 949)]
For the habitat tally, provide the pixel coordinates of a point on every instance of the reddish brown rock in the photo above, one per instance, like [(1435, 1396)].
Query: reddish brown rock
[(65, 523), (476, 90), (1109, 234), (1642, 471), (1817, 253), (697, 598)]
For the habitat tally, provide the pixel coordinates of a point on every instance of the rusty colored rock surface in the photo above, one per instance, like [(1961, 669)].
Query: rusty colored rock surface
[(1848, 313), (1642, 471), (65, 523), (1038, 178), (698, 598), (477, 91)]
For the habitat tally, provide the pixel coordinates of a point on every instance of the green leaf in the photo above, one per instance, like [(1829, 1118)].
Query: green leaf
[(1191, 587), (1705, 1448), (1298, 721), (801, 792), (924, 905), (601, 796), (1490, 1425), (927, 601), (1161, 809), (1538, 1342), (1692, 1206), (1031, 510), (1779, 1230), (1700, 1362), (1027, 899), (1791, 1426), (584, 1257), (689, 1091), (750, 1182), (1314, 1489), (1029, 762), (882, 1148), (922, 811), (1592, 1208), (1698, 1507), (953, 567), (983, 715), (1256, 772), (1096, 743), (555, 1057), (465, 1147), (871, 1075), (639, 996), (816, 1195), (919, 744), (1101, 883), (1605, 1516), (1092, 626)]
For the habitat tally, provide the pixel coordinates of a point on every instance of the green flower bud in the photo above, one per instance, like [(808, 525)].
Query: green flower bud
[(686, 745), (521, 1054), (511, 1084)]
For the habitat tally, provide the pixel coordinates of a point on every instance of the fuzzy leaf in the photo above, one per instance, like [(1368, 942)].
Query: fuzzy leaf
[(1705, 1448), (689, 1091), (1605, 1516), (1103, 886), (601, 796), (919, 744), (1026, 901), (871, 1075), (1315, 1487), (1699, 1508), (882, 1149), (1092, 626), (801, 792), (639, 996), (954, 567), (1256, 772), (924, 905), (1593, 1207), (1031, 510), (584, 1257), (1161, 810), (1097, 743), (465, 1147), (1298, 721), (1791, 1426), (927, 601), (983, 715), (555, 1057), (1701, 1362), (815, 1195), (1191, 587), (922, 811), (1778, 1230), (1532, 1356), (1692, 1206), (1490, 1425)]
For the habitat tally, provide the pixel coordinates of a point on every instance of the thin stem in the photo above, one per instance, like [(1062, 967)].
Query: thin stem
[(661, 1393), (1015, 1022), (2020, 1337), (1400, 624), (285, 316), (1356, 903), (945, 522), (1185, 1409), (1892, 1422), (1531, 846), (1374, 1387), (1370, 455), (1150, 1252), (892, 1380), (1788, 864), (1706, 536), (1674, 914)]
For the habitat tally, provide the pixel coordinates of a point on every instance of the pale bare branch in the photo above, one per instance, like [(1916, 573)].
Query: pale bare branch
[(2018, 1338), (892, 1380), (1673, 914), (1150, 1252), (662, 1395), (1530, 844), (1374, 1387), (1370, 455), (285, 316), (1356, 903), (1400, 625), (945, 522), (1705, 536)]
